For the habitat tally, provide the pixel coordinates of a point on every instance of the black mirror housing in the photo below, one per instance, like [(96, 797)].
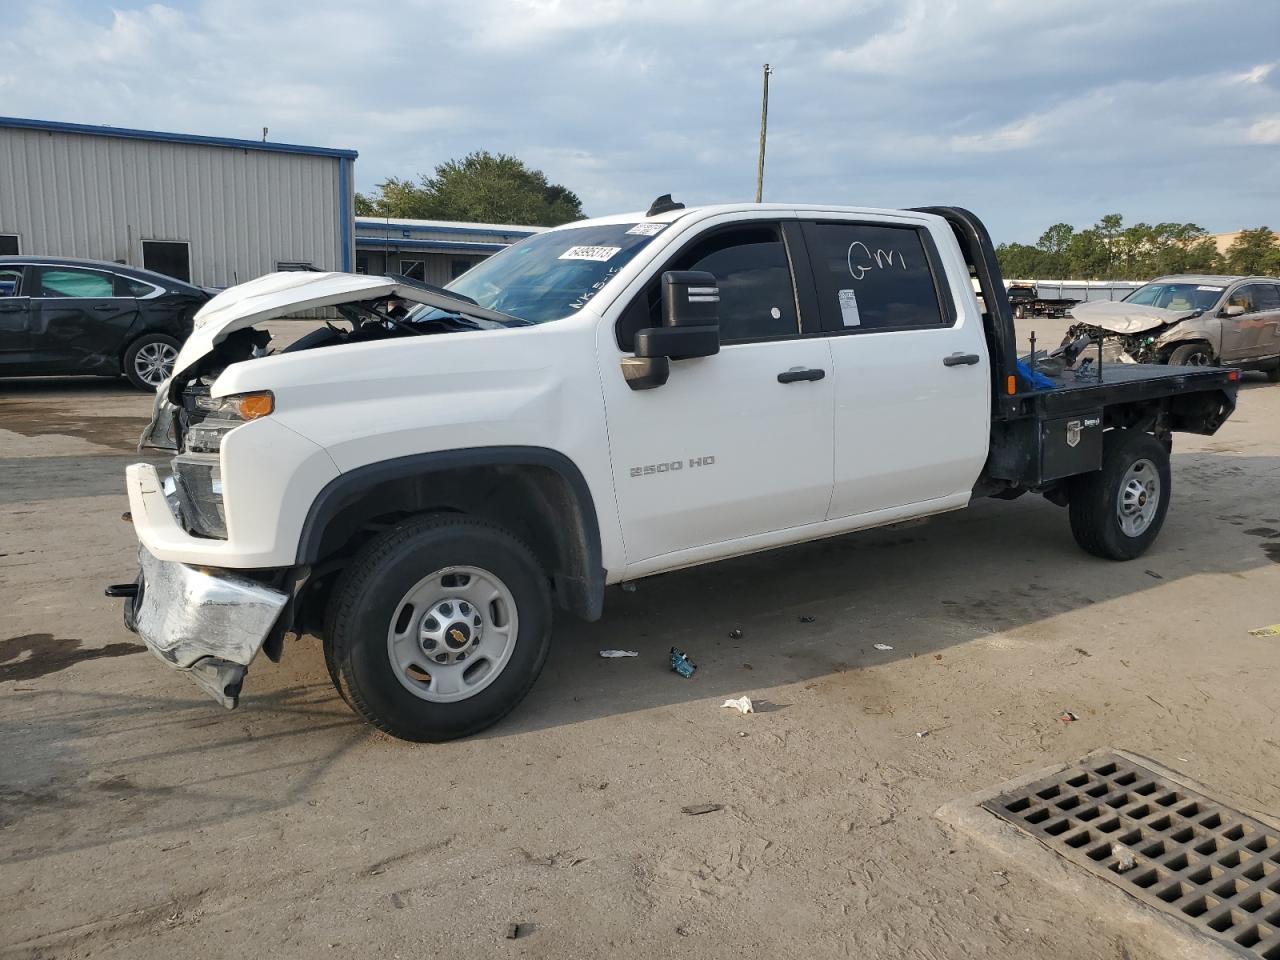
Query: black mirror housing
[(690, 318), (690, 328)]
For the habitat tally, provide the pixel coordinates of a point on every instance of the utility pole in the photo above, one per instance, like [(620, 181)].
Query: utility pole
[(764, 126)]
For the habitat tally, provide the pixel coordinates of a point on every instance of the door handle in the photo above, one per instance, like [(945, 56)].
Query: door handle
[(961, 359), (104, 307), (796, 374)]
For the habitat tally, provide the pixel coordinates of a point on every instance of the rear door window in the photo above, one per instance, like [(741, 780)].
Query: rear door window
[(872, 277), (1265, 297), (58, 282)]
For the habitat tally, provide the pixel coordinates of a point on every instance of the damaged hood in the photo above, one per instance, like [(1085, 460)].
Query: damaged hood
[(1121, 317), (281, 294)]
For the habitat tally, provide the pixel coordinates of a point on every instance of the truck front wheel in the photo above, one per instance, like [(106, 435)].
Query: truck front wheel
[(1117, 511), (438, 628)]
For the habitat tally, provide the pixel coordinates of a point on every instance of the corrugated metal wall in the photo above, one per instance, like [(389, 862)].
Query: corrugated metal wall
[(99, 197)]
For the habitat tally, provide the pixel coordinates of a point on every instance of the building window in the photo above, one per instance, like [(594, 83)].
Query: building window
[(8, 244), (362, 264), (414, 269), (295, 265), (458, 267), (170, 257)]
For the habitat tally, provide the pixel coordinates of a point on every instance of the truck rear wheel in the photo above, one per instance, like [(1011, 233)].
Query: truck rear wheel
[(1117, 512), (438, 628)]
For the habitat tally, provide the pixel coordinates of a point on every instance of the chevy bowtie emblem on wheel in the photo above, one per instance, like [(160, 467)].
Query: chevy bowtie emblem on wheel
[(1073, 433)]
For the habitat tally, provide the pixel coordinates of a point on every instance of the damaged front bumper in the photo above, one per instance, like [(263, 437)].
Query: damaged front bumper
[(206, 624)]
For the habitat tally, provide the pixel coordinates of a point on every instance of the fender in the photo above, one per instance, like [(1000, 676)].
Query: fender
[(581, 584)]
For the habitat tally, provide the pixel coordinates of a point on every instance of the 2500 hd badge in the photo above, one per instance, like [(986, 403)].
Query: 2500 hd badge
[(671, 466)]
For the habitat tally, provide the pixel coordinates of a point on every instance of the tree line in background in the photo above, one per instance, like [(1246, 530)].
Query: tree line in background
[(482, 187), (1111, 251)]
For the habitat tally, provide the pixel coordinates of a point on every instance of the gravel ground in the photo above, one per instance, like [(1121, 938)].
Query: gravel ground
[(139, 820)]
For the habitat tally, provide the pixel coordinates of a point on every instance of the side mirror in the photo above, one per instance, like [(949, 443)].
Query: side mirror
[(1232, 310), (690, 328)]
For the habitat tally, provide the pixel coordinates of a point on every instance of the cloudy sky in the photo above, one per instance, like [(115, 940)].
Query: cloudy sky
[(1027, 111)]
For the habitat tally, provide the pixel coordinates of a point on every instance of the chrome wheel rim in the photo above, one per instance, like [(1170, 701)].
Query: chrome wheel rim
[(154, 362), (452, 634), (1139, 497)]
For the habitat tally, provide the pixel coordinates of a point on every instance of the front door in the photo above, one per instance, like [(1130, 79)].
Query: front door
[(79, 322), (913, 398), (724, 450)]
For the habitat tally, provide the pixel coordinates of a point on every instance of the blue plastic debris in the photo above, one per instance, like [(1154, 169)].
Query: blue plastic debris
[(1037, 379), (681, 663)]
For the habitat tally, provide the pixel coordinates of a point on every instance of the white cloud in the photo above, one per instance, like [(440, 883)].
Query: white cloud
[(1265, 130)]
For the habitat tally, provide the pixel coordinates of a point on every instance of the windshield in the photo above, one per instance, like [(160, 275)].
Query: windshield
[(1176, 296), (552, 275)]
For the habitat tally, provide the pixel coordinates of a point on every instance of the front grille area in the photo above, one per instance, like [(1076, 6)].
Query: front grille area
[(1175, 849)]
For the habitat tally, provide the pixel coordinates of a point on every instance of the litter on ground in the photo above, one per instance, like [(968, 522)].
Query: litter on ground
[(742, 705), (1066, 716), (882, 646), (697, 809), (681, 663), (1271, 631), (611, 654)]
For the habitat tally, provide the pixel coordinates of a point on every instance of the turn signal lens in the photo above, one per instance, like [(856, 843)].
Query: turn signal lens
[(1013, 385), (251, 406), (1233, 375)]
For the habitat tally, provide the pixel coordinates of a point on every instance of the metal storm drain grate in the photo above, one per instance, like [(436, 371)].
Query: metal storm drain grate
[(1173, 848)]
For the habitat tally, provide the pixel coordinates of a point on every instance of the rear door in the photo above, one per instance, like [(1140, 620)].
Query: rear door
[(1267, 301), (912, 417), (80, 320), (15, 315)]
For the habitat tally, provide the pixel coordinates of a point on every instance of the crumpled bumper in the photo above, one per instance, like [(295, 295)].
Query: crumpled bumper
[(209, 625)]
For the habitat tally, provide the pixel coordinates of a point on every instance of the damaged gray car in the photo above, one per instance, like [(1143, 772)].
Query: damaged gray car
[(1198, 321)]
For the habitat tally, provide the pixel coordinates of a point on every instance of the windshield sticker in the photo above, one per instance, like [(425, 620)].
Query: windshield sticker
[(1212, 289), (598, 254), (647, 229), (849, 308)]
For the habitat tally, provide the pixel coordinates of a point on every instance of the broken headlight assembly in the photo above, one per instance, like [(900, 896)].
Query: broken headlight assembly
[(197, 471)]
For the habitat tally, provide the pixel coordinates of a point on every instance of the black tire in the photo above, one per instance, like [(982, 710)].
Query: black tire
[(1019, 312), (1094, 507), (369, 593), (1192, 355), (136, 363), (1273, 374)]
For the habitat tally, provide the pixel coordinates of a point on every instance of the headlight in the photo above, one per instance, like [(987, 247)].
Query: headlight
[(241, 406), (198, 478), (197, 471)]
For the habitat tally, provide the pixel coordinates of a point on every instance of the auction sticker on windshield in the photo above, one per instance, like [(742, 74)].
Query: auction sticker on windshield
[(599, 254), (647, 229), (1211, 289)]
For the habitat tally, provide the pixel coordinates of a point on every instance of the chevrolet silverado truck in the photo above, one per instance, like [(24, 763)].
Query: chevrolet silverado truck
[(421, 483)]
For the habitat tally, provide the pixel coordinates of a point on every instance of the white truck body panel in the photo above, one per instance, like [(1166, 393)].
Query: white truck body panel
[(888, 434)]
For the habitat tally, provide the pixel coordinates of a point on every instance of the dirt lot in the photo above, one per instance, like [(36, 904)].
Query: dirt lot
[(139, 820)]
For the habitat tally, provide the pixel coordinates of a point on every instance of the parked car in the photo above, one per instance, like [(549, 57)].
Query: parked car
[(1191, 320), (61, 317), (599, 403)]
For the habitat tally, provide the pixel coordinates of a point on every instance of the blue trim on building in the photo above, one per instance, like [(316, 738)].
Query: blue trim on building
[(54, 126), (417, 228), (345, 202), (375, 244)]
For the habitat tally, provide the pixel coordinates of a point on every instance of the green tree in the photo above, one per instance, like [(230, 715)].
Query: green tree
[(1055, 242), (1020, 261), (482, 186), (1255, 251)]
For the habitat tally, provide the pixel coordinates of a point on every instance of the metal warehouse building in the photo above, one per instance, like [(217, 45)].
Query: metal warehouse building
[(205, 209), (435, 251)]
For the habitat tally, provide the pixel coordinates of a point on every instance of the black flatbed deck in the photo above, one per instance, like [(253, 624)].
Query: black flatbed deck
[(1125, 383)]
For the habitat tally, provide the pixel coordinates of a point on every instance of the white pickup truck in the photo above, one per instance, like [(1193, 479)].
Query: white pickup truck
[(421, 483)]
